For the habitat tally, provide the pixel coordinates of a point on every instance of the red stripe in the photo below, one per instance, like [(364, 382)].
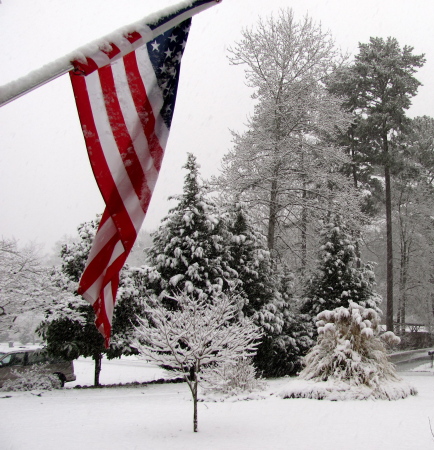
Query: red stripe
[(143, 107), (134, 36), (115, 50), (101, 319), (95, 266)]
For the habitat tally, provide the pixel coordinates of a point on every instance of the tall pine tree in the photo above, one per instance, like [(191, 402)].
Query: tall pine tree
[(378, 89)]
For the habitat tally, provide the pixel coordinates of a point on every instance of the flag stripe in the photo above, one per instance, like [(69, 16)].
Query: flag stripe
[(154, 95), (133, 122)]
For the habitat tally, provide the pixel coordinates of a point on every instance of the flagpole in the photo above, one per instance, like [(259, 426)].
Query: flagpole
[(37, 78)]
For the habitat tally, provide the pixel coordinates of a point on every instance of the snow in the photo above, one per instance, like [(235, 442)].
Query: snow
[(126, 369), (160, 417)]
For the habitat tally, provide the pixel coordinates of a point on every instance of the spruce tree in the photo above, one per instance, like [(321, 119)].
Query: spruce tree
[(202, 249), (190, 251), (268, 299), (340, 277), (250, 259)]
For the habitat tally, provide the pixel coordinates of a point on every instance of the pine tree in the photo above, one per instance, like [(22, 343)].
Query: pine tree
[(189, 250), (340, 276), (268, 299), (378, 89)]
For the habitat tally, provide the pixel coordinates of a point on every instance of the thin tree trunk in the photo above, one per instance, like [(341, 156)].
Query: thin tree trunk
[(389, 240), (195, 408), (303, 238), (192, 382), (403, 277), (97, 358), (303, 215), (353, 164), (272, 220)]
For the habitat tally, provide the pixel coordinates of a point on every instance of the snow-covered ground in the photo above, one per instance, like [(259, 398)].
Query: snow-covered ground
[(160, 417)]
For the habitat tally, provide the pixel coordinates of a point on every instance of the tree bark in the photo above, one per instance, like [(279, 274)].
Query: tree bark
[(389, 239), (272, 220), (195, 408), (192, 382), (303, 214), (97, 358)]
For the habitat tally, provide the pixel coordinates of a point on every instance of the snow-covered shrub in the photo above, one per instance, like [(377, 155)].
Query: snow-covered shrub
[(231, 378), (34, 379), (349, 359)]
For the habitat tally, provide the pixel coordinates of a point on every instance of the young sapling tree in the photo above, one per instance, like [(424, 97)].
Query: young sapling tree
[(194, 334)]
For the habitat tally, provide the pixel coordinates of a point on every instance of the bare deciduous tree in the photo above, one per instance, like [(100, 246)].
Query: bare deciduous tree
[(195, 334), (24, 282)]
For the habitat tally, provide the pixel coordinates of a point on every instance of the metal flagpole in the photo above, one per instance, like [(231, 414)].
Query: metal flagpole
[(37, 78)]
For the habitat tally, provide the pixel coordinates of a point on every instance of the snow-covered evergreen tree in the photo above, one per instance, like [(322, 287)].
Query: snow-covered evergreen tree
[(341, 276), (203, 249), (349, 360), (250, 259), (189, 250), (268, 297)]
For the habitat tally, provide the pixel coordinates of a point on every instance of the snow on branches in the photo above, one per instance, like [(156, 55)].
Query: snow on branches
[(349, 360), (25, 284), (194, 334)]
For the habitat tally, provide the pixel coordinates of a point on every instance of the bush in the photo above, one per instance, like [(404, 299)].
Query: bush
[(231, 378), (34, 379), (349, 360)]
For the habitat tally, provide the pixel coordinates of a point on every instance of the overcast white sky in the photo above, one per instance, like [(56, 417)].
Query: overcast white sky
[(46, 184)]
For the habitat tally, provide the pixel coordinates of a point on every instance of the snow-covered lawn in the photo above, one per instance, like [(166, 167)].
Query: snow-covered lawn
[(160, 417)]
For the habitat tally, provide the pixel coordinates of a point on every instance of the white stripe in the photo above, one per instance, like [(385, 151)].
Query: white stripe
[(134, 125), (117, 251), (153, 92), (101, 59), (108, 301), (111, 152), (103, 235), (125, 46)]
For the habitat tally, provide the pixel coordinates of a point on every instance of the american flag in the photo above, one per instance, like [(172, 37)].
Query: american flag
[(125, 96)]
